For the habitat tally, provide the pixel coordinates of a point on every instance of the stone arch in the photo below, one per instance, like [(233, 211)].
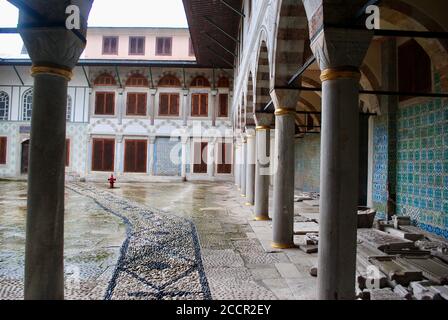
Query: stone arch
[(408, 17), (262, 82), (292, 37), (105, 79), (136, 79), (200, 81), (370, 82), (169, 80), (250, 106)]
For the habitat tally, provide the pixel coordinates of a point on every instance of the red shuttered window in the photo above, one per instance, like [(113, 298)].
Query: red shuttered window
[(136, 104), (3, 148), (223, 105), (135, 157), (103, 154), (105, 103), (169, 104), (199, 105)]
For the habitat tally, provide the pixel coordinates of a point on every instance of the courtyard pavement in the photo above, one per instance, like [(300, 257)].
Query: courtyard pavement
[(194, 240)]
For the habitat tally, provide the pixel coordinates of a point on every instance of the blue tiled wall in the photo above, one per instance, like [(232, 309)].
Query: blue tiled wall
[(422, 163), (163, 166)]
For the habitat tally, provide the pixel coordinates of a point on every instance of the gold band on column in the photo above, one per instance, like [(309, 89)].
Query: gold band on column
[(262, 218), (260, 128), (340, 73), (67, 74), (283, 246), (284, 112)]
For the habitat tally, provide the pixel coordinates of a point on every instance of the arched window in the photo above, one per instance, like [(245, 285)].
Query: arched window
[(169, 81), (414, 69), (223, 82), (4, 105), (27, 105), (200, 82), (69, 108), (137, 80), (105, 79)]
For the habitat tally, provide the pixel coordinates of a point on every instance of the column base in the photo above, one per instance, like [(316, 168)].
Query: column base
[(262, 219), (283, 246)]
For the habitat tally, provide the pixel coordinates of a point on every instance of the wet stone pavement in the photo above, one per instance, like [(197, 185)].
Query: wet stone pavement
[(163, 241)]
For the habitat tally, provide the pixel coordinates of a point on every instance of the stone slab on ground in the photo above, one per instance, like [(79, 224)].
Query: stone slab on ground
[(382, 240)]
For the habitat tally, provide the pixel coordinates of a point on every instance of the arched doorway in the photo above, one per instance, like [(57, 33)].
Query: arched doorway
[(25, 155)]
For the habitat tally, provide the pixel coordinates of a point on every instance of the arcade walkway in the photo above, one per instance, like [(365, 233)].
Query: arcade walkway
[(138, 242)]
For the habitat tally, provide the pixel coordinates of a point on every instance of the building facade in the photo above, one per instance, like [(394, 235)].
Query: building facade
[(138, 106)]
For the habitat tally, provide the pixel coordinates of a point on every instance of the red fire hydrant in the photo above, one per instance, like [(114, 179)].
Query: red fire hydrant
[(111, 180)]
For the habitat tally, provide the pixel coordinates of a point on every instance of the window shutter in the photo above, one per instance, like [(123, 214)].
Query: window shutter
[(108, 157), (110, 103), (3, 148), (99, 103), (223, 105), (204, 105), (132, 104), (164, 104), (195, 105), (141, 104), (168, 46), (174, 105), (141, 150), (97, 161)]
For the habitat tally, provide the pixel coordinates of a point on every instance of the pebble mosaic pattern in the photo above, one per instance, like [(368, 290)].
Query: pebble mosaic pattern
[(152, 264)]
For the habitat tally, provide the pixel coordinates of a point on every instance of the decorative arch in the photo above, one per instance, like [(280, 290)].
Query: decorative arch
[(262, 92), (408, 17), (137, 80), (105, 79), (4, 105), (169, 80), (27, 105), (200, 82), (250, 106), (292, 37)]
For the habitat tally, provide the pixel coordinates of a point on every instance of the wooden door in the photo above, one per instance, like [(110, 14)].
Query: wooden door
[(135, 156), (25, 157), (224, 158), (200, 157)]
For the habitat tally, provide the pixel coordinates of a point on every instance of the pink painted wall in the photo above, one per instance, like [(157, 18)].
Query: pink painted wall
[(180, 43)]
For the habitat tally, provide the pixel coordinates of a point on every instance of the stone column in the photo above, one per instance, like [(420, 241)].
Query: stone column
[(152, 105), (272, 157), (285, 102), (214, 93), (243, 165), (237, 163), (263, 174), (54, 52), (250, 167), (339, 53), (185, 107), (121, 106), (151, 150), (119, 155), (211, 158), (184, 141)]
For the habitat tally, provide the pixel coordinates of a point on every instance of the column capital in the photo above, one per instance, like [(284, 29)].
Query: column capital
[(120, 138), (333, 45), (250, 133), (285, 99), (263, 121), (185, 92), (153, 91), (52, 47), (151, 139)]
